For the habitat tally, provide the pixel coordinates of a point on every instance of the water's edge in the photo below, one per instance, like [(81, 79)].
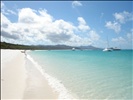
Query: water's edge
[(53, 82)]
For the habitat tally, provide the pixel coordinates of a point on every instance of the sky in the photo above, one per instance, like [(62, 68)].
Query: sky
[(74, 23)]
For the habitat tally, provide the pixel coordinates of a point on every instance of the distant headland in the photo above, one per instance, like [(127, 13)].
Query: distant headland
[(5, 45)]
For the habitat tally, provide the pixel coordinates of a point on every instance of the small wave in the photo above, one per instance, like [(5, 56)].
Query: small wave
[(53, 82)]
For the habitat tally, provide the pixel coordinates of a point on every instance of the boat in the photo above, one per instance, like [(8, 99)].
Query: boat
[(108, 49), (116, 49), (73, 49)]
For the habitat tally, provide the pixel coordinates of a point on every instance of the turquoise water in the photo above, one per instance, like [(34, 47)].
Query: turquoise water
[(90, 74)]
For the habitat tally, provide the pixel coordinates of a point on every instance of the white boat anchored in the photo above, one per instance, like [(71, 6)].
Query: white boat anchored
[(107, 49), (116, 49), (73, 49), (110, 48)]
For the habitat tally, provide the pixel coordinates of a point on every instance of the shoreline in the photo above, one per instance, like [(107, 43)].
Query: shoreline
[(54, 83), (37, 86), (21, 80)]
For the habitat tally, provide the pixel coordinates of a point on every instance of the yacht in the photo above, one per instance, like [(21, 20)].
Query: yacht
[(116, 49), (107, 49), (73, 49)]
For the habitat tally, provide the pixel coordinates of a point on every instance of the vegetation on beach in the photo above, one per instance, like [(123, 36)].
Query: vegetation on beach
[(5, 45)]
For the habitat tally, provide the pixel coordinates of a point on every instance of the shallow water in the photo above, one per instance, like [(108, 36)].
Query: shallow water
[(90, 74)]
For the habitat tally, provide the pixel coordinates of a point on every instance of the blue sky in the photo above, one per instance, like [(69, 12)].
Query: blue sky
[(73, 23)]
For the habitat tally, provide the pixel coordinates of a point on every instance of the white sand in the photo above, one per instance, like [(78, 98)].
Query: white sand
[(13, 74), (8, 55), (21, 80)]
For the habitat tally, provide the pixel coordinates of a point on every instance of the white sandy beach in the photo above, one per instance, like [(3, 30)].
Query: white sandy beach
[(21, 80)]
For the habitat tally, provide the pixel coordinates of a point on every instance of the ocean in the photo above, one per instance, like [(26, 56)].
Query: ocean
[(87, 74)]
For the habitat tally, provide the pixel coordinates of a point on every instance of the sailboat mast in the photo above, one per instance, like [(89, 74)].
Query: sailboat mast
[(119, 46), (107, 49), (107, 41)]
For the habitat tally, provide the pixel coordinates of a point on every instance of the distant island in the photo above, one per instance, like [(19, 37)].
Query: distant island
[(5, 45)]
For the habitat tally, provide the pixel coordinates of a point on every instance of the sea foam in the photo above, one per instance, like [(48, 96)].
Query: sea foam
[(53, 82)]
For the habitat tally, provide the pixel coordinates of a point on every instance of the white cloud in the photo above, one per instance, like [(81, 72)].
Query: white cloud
[(130, 39), (5, 10), (94, 36), (125, 41), (8, 29), (76, 3), (27, 15), (120, 18), (123, 17), (82, 24), (130, 35), (10, 36), (11, 12), (119, 39), (78, 41), (114, 26), (120, 42), (37, 26), (4, 20)]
